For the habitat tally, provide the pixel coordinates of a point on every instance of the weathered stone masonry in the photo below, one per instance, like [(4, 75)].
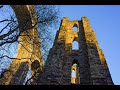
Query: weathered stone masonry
[(29, 50), (91, 62), (91, 67)]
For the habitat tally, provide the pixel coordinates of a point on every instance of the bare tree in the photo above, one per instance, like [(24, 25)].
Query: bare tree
[(47, 20)]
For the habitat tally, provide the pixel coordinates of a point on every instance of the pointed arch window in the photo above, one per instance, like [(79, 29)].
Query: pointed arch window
[(75, 45), (75, 77), (75, 28)]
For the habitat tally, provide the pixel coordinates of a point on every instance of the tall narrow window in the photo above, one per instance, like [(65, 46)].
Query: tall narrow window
[(73, 73), (75, 45), (75, 77)]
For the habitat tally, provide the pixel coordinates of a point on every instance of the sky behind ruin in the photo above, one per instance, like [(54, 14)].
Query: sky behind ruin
[(105, 21)]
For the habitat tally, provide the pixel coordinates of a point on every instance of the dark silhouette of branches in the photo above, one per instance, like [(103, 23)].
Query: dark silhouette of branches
[(47, 16), (47, 20)]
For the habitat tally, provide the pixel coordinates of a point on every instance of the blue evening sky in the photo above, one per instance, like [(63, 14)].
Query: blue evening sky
[(105, 21)]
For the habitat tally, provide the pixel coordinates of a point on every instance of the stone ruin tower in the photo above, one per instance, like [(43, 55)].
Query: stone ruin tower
[(85, 66)]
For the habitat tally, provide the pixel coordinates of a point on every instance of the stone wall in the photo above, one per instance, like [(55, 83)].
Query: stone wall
[(93, 69)]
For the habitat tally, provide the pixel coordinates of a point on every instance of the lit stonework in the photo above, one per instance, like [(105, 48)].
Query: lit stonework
[(92, 67), (29, 49)]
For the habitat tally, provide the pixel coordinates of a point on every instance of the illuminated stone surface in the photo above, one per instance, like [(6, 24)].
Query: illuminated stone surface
[(29, 51), (93, 69), (92, 66)]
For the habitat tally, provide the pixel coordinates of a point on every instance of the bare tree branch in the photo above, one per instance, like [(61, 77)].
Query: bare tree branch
[(47, 18)]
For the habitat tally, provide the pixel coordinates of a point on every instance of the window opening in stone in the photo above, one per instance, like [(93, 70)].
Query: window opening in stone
[(75, 78), (73, 73), (75, 28), (75, 45)]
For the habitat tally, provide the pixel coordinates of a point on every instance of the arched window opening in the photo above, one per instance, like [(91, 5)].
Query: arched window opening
[(75, 45), (75, 28), (75, 77), (73, 73)]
